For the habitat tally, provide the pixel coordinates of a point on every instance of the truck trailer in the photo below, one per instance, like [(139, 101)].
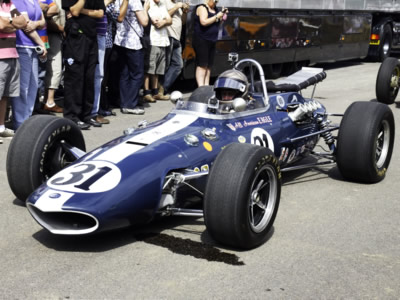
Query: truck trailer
[(284, 35)]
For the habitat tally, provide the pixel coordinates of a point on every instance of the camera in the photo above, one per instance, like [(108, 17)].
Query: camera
[(39, 50)]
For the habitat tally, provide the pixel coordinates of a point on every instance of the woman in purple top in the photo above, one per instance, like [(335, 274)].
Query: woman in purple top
[(204, 38), (27, 40)]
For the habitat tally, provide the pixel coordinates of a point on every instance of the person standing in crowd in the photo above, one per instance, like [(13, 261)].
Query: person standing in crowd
[(104, 109), (80, 59), (49, 9), (101, 28), (174, 63), (55, 31), (131, 19), (10, 21), (28, 41), (206, 24), (155, 55)]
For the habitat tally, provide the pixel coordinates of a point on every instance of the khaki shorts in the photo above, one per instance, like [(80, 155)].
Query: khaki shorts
[(155, 60), (9, 77)]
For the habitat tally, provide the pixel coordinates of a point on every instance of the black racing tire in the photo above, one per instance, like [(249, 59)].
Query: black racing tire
[(35, 152), (273, 71), (242, 195), (365, 142), (387, 82), (385, 47)]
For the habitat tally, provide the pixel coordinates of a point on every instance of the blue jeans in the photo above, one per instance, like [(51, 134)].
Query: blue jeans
[(22, 106), (99, 74), (174, 63), (132, 75)]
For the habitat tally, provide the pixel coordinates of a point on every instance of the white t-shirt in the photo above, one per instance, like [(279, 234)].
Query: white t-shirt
[(158, 37)]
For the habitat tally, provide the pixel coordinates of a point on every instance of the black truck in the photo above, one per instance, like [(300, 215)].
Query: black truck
[(284, 35)]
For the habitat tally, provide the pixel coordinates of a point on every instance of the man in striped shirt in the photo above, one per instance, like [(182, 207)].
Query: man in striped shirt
[(10, 21)]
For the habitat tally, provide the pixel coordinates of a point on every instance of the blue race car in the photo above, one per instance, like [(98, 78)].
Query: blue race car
[(218, 154)]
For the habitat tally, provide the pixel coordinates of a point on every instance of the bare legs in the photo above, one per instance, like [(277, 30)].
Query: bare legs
[(203, 75), (150, 79)]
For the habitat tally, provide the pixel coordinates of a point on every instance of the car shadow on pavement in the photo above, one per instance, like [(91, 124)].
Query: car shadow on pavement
[(105, 241), (180, 235)]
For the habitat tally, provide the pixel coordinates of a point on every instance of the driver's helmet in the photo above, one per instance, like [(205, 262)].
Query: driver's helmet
[(232, 83)]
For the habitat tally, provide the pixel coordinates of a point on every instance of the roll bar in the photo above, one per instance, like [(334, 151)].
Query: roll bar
[(252, 63)]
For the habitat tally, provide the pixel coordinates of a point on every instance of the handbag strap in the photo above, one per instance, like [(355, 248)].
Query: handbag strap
[(130, 24)]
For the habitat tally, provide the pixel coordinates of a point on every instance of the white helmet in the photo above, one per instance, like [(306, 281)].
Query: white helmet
[(234, 80)]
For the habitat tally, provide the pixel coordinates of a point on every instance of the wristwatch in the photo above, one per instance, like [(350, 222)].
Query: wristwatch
[(10, 20)]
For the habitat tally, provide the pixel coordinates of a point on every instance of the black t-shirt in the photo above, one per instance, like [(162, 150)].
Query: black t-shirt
[(86, 24)]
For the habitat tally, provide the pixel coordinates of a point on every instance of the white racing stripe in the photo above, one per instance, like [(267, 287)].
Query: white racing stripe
[(171, 126), (52, 201), (121, 151)]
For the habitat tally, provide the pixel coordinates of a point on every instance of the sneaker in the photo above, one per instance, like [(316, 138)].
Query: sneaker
[(83, 125), (54, 108), (149, 98), (93, 122), (133, 111), (160, 96), (7, 133)]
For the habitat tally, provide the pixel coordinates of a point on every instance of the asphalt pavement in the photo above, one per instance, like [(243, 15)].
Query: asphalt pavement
[(332, 239)]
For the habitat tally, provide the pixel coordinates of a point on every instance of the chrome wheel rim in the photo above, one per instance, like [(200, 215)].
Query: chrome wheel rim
[(263, 194), (382, 144), (394, 81)]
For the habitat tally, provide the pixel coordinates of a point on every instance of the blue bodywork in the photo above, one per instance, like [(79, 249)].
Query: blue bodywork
[(122, 182)]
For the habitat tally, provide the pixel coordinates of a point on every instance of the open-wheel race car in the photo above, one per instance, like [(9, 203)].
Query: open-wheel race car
[(226, 155)]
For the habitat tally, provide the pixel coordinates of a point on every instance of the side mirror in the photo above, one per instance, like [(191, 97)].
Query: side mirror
[(176, 96), (239, 104)]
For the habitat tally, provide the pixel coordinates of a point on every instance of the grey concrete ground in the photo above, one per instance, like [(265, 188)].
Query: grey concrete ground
[(331, 239)]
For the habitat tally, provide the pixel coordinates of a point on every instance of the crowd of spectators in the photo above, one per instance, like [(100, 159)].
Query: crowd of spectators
[(76, 44)]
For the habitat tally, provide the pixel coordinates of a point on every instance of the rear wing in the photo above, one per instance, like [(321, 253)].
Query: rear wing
[(295, 82)]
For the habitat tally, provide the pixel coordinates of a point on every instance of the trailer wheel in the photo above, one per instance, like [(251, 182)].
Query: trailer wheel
[(273, 71), (365, 142), (293, 67), (386, 43), (36, 153), (242, 195), (387, 82)]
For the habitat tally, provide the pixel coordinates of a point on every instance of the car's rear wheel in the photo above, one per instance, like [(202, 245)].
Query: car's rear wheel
[(242, 195), (365, 142), (36, 152), (387, 82)]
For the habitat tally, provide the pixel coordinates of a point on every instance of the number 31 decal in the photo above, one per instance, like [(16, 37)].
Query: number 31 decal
[(262, 138), (87, 177)]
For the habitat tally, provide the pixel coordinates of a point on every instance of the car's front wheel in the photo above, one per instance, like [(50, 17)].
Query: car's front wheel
[(36, 152), (365, 142), (242, 195)]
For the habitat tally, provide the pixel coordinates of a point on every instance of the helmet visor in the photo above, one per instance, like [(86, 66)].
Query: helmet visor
[(229, 83)]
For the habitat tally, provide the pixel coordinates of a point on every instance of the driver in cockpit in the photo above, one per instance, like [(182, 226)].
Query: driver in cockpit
[(230, 85)]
